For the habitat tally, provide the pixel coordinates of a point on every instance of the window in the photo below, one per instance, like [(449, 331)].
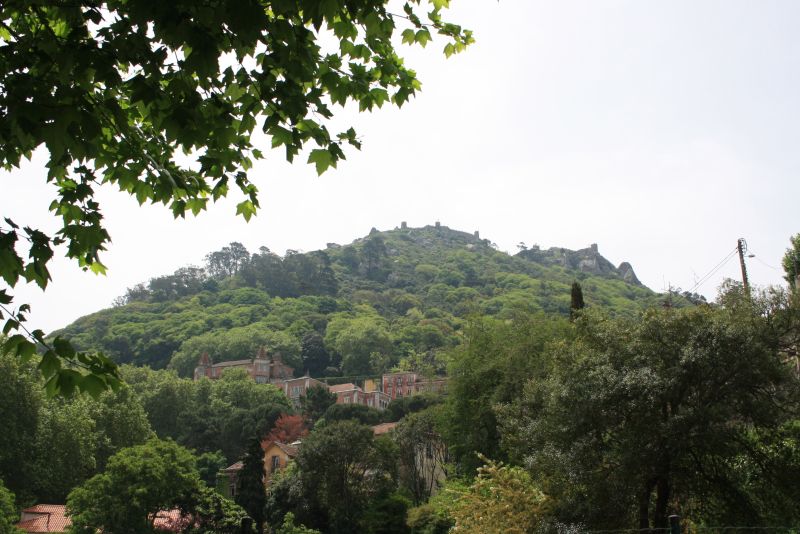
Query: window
[(275, 463), (295, 391)]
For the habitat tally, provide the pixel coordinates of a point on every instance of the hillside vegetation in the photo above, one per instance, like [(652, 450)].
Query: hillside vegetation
[(384, 300)]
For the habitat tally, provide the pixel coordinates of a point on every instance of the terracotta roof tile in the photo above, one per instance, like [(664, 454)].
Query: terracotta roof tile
[(46, 518), (171, 521)]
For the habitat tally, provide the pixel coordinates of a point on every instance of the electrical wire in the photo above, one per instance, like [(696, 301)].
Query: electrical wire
[(714, 270)]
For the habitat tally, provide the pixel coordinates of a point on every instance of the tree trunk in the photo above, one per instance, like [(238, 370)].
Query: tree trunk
[(662, 500), (644, 505)]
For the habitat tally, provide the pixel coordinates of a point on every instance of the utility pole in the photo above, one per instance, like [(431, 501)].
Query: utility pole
[(741, 246)]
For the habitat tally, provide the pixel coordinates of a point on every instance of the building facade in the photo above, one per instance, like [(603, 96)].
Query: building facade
[(263, 368)]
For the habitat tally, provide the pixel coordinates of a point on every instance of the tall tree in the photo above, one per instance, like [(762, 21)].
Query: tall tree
[(313, 353), (114, 90), (341, 466), (576, 300), (20, 409), (228, 261), (138, 483), (491, 368), (676, 409), (8, 511), (791, 262), (501, 500), (315, 402), (251, 493)]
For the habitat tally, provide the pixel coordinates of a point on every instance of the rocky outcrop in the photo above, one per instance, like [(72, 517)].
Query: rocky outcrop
[(587, 260), (625, 270)]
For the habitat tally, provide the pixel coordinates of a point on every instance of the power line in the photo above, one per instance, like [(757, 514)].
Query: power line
[(765, 264), (714, 270)]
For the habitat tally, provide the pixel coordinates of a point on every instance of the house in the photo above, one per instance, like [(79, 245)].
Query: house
[(54, 518), (263, 368), (44, 518), (227, 480), (376, 399), (295, 388), (348, 393), (277, 456), (396, 385)]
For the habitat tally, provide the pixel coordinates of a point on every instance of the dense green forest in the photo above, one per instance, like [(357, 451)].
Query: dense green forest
[(356, 309), (593, 417)]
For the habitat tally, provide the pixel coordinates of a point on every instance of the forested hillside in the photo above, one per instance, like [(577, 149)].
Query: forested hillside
[(354, 309)]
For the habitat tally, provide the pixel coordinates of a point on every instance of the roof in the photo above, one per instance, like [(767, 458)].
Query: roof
[(45, 518), (171, 521), (339, 388), (383, 428), (233, 363), (288, 450), (235, 467)]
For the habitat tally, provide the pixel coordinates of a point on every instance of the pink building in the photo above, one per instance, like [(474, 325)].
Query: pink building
[(264, 368), (397, 385), (295, 388), (352, 394)]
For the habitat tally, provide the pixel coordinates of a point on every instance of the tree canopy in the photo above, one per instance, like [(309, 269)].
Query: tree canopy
[(116, 90), (685, 411)]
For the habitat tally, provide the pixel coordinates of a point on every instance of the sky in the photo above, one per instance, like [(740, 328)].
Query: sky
[(662, 131)]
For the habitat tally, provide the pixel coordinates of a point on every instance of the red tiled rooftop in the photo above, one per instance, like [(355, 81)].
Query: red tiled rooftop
[(235, 467), (45, 518), (289, 450), (171, 521)]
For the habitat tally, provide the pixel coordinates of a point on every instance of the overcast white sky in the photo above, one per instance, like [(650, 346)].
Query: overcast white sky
[(663, 131)]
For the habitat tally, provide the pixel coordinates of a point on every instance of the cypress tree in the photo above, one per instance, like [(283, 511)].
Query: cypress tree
[(576, 303), (251, 494)]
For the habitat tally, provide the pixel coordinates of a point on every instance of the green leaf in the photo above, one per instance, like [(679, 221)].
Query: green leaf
[(423, 36), (321, 158), (97, 268), (92, 385), (63, 348), (246, 209), (409, 37), (49, 364)]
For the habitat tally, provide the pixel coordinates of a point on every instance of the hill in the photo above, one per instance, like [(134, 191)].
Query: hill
[(360, 308)]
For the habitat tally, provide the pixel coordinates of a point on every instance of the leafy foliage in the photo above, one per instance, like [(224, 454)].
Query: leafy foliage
[(138, 483), (8, 512), (207, 416), (344, 321), (114, 90), (502, 499), (250, 493), (682, 408), (791, 261), (491, 368), (315, 403), (341, 466), (289, 527)]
